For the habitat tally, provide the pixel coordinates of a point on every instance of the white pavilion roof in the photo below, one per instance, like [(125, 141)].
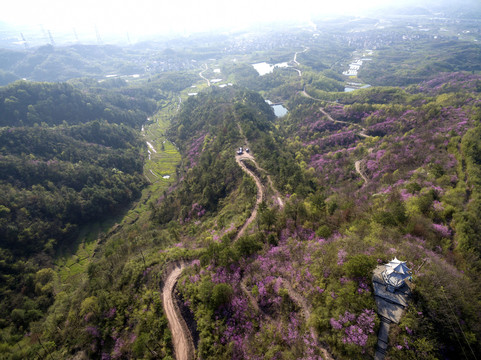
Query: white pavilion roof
[(396, 271), (398, 266)]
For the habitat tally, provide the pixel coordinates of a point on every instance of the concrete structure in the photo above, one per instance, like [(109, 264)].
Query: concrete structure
[(391, 301)]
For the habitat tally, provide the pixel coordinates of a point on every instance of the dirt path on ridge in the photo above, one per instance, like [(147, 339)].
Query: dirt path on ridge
[(202, 76), (297, 62), (260, 188), (306, 309), (361, 133), (340, 121), (271, 185), (251, 158), (357, 165), (260, 191), (181, 339), (183, 344), (304, 93), (299, 300), (253, 301)]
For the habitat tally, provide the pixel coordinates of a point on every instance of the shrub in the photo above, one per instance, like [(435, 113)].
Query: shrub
[(359, 265), (221, 295)]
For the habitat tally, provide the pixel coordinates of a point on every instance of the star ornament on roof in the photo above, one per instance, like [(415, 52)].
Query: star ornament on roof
[(396, 272)]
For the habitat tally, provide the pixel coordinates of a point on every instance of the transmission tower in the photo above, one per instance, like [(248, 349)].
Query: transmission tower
[(51, 38), (99, 39), (45, 35), (24, 41), (75, 34)]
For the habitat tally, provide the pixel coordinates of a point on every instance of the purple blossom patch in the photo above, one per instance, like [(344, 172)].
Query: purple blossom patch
[(443, 230), (356, 329), (341, 257)]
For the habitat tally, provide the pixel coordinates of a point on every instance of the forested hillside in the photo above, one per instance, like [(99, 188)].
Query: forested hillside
[(50, 63), (405, 64), (26, 104), (65, 161)]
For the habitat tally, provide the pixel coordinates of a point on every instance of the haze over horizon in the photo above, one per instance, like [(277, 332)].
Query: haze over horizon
[(137, 21)]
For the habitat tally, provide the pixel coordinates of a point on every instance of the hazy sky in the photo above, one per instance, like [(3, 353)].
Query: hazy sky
[(159, 16)]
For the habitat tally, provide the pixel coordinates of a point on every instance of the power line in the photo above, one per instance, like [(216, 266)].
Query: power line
[(459, 324), (24, 41)]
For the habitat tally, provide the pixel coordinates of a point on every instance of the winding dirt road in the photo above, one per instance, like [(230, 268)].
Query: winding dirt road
[(278, 196), (297, 62), (271, 184), (202, 76), (306, 309), (251, 157), (183, 343), (260, 188), (305, 94), (253, 301), (180, 103), (260, 191), (357, 165), (361, 133), (299, 300)]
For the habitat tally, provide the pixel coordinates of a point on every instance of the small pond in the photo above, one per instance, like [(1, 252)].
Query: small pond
[(265, 68), (279, 110)]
